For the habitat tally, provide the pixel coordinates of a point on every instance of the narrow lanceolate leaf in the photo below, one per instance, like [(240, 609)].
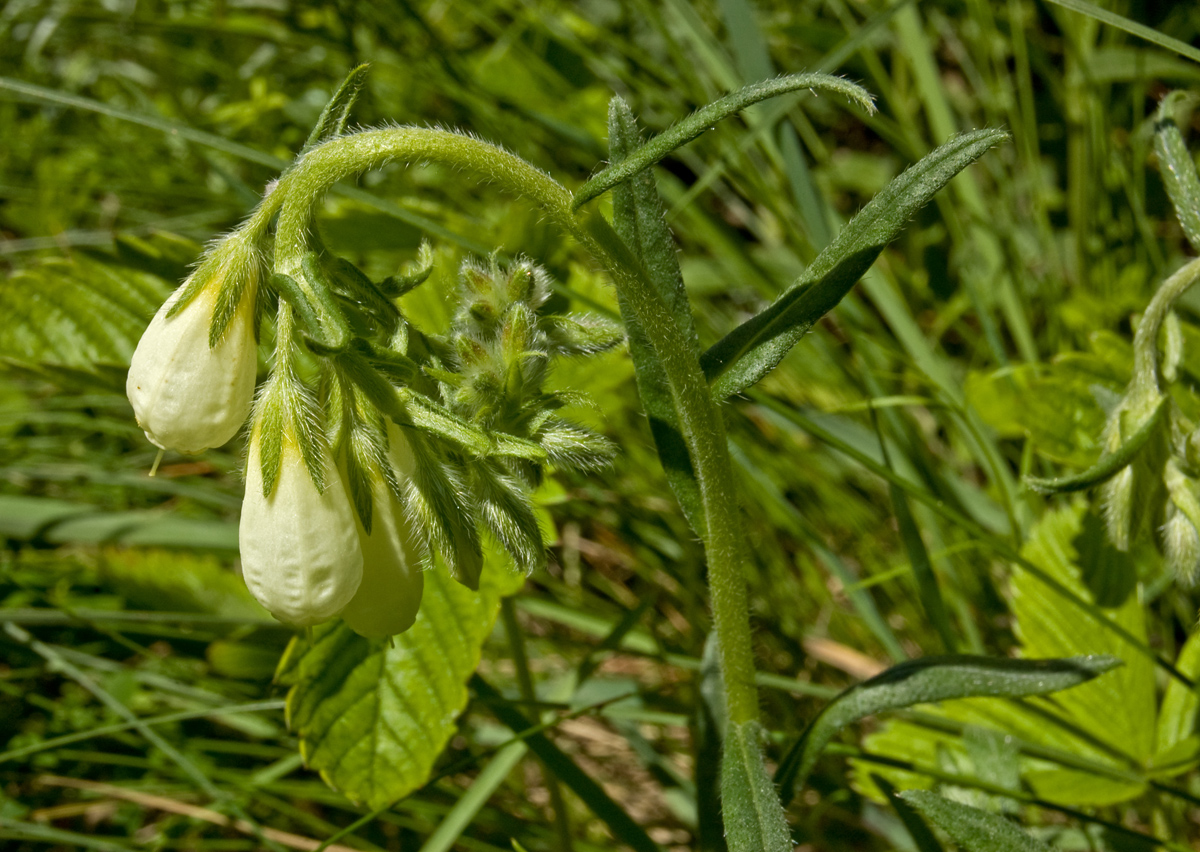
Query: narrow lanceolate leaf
[(974, 830), (638, 220), (1109, 464), (1177, 167), (704, 118), (752, 350), (373, 718), (754, 819), (332, 121), (931, 679)]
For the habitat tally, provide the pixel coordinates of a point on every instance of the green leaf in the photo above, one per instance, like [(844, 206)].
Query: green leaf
[(1109, 464), (373, 718), (687, 129), (931, 679), (332, 121), (1180, 706), (638, 220), (1176, 165), (1117, 711), (754, 819), (751, 350), (922, 837), (80, 313), (972, 829)]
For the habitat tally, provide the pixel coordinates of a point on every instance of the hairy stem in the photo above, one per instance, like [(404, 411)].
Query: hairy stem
[(703, 427)]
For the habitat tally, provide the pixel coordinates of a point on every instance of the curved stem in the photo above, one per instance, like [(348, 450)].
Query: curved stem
[(1145, 341), (700, 419)]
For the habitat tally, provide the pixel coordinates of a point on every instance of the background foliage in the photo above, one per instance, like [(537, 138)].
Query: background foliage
[(137, 695)]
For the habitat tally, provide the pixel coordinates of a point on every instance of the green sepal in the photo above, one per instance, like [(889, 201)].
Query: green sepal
[(395, 286), (506, 512), (333, 332), (689, 128), (290, 291), (244, 276), (1109, 464), (332, 121), (365, 444), (364, 291), (752, 350), (440, 506), (580, 334), (1176, 165), (269, 426)]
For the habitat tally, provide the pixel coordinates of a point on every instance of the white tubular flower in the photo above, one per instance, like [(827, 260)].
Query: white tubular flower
[(301, 556), (392, 583), (186, 395)]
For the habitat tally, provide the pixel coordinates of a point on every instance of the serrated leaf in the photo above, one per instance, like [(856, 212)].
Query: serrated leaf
[(754, 819), (972, 829), (1117, 710), (638, 220), (751, 350), (373, 718), (1180, 705), (78, 313), (927, 680)]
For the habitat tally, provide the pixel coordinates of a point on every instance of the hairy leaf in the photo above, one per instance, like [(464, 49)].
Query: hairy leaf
[(689, 128), (754, 819), (638, 220), (972, 829), (751, 350), (926, 680)]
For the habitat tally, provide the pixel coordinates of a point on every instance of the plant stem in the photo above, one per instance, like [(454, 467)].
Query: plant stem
[(702, 425)]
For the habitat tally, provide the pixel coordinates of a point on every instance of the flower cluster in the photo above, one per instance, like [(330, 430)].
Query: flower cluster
[(375, 450)]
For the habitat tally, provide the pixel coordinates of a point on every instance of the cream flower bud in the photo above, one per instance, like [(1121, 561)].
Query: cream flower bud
[(301, 556), (186, 395), (390, 594)]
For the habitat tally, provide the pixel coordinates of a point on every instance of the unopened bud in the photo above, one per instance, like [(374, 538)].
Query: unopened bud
[(1116, 497)]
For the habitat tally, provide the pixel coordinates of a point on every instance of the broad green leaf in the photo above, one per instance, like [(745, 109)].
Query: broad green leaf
[(1071, 787), (373, 718), (689, 128), (754, 819), (927, 680), (1180, 706), (79, 313), (752, 349), (638, 220), (972, 829), (1176, 165), (1117, 710)]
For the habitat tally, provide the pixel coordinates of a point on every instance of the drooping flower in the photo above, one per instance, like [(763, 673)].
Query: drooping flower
[(301, 556), (190, 392), (390, 593)]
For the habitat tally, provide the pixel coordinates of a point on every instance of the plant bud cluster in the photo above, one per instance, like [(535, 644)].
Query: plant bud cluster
[(375, 450)]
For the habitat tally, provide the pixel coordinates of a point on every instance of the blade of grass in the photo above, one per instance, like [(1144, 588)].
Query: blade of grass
[(1132, 27)]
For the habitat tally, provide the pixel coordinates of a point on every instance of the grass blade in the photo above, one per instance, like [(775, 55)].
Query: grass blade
[(1132, 27)]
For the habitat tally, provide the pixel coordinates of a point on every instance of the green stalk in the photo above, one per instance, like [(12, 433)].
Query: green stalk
[(703, 427)]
